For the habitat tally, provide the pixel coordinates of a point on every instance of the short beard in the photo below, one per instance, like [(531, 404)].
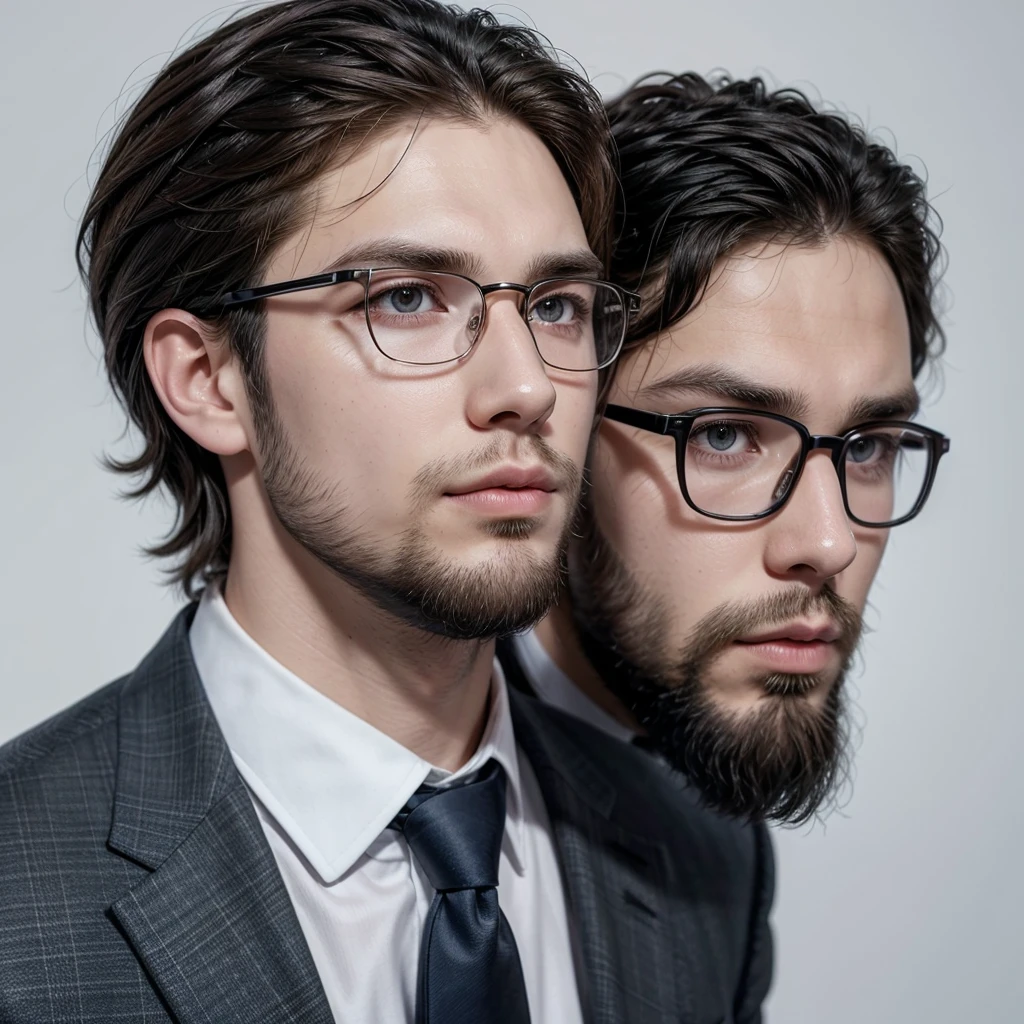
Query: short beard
[(784, 761), (419, 587)]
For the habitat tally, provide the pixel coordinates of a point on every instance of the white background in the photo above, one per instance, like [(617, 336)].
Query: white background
[(906, 907)]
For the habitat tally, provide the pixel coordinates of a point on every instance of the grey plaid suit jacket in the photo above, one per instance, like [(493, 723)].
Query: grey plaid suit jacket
[(136, 883)]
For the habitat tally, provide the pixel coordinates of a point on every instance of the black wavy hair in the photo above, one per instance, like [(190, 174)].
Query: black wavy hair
[(706, 166)]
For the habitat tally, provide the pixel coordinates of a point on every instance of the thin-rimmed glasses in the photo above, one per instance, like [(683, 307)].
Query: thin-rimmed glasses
[(425, 318)]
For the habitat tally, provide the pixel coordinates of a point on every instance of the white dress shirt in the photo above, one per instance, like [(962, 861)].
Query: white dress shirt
[(554, 687), (326, 784)]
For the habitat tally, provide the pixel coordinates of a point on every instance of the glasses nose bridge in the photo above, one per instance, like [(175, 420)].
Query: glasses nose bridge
[(523, 293), (834, 445), (522, 290), (506, 286), (487, 290)]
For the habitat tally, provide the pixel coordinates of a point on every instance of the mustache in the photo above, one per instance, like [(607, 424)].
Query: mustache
[(433, 477), (735, 620)]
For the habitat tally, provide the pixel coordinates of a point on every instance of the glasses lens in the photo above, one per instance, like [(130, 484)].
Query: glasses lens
[(577, 324), (740, 465), (422, 318), (886, 472)]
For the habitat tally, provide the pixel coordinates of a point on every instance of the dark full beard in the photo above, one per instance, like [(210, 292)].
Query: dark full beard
[(783, 761), (412, 582)]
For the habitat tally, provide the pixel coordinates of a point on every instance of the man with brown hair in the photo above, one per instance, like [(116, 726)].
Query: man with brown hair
[(303, 803)]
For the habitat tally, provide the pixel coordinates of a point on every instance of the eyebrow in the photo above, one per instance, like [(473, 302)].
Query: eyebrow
[(727, 384), (577, 263), (903, 405), (396, 252)]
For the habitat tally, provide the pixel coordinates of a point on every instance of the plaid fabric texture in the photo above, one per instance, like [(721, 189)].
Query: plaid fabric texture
[(136, 883)]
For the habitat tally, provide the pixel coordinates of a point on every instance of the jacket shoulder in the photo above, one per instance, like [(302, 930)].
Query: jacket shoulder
[(41, 750), (57, 786), (58, 876)]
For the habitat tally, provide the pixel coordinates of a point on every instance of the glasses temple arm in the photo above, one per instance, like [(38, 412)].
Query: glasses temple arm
[(657, 422)]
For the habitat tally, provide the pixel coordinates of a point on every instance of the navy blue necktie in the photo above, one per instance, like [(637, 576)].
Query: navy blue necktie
[(469, 971)]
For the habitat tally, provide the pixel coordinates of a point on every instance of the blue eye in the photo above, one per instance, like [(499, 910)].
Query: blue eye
[(862, 449), (408, 299), (721, 436), (550, 310)]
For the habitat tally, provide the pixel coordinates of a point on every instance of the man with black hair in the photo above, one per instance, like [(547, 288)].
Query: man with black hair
[(345, 258), (759, 443)]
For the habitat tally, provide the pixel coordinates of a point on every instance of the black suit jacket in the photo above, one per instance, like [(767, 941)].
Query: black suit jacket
[(722, 916), (136, 883)]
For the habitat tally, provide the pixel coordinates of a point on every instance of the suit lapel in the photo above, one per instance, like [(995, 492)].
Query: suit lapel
[(514, 674), (616, 880), (212, 924)]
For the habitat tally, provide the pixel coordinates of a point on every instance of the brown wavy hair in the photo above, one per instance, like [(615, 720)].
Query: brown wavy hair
[(214, 166)]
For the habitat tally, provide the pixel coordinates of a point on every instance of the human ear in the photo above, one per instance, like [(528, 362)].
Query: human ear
[(198, 380)]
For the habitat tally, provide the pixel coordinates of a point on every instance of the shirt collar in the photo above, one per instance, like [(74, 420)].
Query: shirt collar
[(330, 780), (554, 687)]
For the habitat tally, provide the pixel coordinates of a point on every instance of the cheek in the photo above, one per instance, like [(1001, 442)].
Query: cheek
[(310, 378), (569, 426), (680, 558), (635, 496), (855, 582), (366, 433)]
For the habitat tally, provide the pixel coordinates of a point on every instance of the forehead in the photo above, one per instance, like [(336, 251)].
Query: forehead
[(494, 192), (828, 321)]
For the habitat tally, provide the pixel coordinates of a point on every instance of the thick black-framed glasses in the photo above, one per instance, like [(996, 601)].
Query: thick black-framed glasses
[(737, 464), (425, 318)]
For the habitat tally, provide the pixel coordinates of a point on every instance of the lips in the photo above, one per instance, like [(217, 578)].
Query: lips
[(509, 478), (797, 649), (797, 632)]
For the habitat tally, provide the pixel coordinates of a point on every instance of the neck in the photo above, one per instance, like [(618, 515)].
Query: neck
[(557, 635), (425, 691)]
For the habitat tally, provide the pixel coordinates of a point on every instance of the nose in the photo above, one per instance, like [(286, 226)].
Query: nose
[(507, 380), (811, 539)]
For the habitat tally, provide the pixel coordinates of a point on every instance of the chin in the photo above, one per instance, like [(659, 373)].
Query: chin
[(745, 695), (516, 529)]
